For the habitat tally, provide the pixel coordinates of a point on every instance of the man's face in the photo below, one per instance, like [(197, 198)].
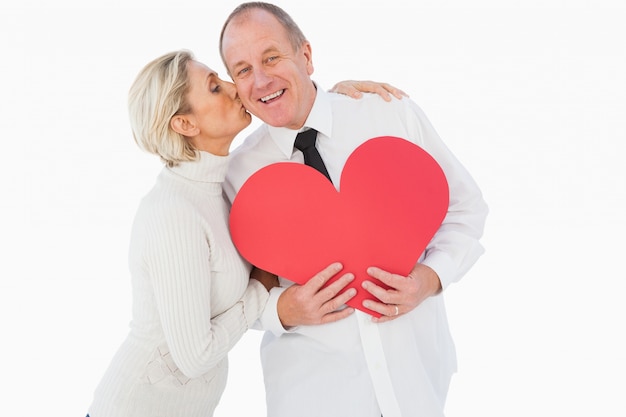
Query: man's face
[(273, 80)]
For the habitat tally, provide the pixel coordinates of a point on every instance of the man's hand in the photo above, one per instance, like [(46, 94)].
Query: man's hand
[(311, 304), (404, 294)]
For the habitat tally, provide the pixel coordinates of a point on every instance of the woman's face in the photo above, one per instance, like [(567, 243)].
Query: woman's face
[(216, 111)]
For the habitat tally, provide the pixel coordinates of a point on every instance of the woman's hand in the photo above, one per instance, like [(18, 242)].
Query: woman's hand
[(355, 89)]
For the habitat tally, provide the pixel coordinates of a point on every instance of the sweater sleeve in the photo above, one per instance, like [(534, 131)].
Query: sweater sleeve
[(178, 260)]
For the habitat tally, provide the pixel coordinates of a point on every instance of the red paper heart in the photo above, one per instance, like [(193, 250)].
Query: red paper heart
[(288, 218)]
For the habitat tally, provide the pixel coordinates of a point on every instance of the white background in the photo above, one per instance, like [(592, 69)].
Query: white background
[(531, 96)]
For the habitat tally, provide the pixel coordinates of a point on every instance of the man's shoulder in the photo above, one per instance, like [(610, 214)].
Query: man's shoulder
[(253, 141), (256, 151), (375, 109), (369, 101)]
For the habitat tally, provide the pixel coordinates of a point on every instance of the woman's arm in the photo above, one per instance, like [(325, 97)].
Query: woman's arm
[(178, 257)]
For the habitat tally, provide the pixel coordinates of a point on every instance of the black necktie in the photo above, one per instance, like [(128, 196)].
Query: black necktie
[(305, 142)]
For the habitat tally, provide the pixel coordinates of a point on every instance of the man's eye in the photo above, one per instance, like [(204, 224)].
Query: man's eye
[(243, 71)]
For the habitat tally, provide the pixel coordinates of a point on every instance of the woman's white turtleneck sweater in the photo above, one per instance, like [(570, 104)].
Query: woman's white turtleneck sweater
[(192, 300)]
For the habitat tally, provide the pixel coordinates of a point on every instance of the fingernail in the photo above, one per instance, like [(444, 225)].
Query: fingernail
[(352, 292)]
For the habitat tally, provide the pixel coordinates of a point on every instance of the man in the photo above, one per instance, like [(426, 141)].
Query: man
[(319, 360)]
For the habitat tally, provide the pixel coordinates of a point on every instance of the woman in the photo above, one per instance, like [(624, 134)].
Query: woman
[(193, 295)]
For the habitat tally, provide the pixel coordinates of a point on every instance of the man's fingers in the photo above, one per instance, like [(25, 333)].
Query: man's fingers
[(397, 285), (322, 277), (392, 280), (337, 301), (385, 310), (329, 292), (337, 315), (386, 296)]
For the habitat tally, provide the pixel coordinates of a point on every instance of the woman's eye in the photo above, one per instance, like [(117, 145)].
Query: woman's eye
[(216, 88)]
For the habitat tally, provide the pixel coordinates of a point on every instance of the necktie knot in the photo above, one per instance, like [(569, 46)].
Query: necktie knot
[(305, 142), (305, 139)]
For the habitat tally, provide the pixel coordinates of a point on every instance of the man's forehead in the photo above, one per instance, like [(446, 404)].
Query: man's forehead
[(253, 22), (245, 44)]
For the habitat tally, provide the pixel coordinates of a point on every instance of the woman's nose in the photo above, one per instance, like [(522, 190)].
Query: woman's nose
[(232, 90)]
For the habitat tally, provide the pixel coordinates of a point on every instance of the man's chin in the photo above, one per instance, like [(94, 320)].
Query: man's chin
[(273, 119)]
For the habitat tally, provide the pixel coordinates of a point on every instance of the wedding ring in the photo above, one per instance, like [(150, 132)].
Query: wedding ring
[(397, 310)]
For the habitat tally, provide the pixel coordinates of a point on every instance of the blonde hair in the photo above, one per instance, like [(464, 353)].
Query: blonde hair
[(158, 94)]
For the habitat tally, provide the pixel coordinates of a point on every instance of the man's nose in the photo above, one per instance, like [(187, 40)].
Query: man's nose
[(261, 78)]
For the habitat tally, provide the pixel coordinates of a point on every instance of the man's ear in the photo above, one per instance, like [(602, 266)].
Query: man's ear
[(185, 125), (308, 56)]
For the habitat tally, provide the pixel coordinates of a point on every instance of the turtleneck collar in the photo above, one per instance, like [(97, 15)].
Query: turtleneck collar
[(209, 168)]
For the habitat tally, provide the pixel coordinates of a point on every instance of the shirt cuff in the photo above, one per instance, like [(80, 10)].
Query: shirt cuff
[(442, 264), (269, 319)]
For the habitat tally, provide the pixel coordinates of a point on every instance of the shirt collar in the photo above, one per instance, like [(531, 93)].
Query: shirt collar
[(320, 119)]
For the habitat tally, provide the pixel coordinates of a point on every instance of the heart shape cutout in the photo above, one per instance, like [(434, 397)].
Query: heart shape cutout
[(290, 220)]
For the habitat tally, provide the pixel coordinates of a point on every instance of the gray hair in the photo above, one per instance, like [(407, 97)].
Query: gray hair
[(296, 37)]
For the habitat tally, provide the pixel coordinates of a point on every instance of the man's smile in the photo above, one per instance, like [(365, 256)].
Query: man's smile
[(272, 96)]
